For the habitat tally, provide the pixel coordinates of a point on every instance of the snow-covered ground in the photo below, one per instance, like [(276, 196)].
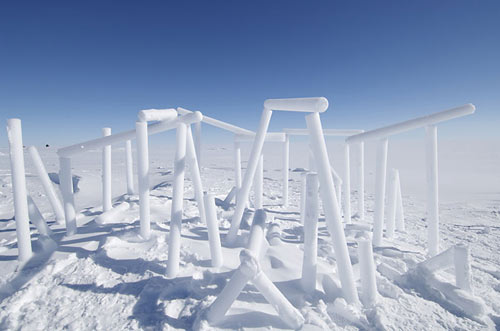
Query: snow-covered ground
[(106, 278)]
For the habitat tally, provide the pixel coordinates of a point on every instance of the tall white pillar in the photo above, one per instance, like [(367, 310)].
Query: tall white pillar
[(367, 272), (347, 185), (303, 190), (331, 209), (360, 168), (192, 162), (197, 142), (253, 161), (66, 187), (213, 231), (259, 183), (237, 167), (286, 166), (141, 131), (129, 168), (392, 203), (309, 262), (47, 185), (381, 170), (174, 244), (400, 217), (106, 173), (432, 190), (15, 135)]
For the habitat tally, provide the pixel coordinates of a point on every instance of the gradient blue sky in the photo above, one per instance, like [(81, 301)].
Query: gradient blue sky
[(69, 68)]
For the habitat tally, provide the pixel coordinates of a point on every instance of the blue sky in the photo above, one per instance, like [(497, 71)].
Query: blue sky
[(69, 68)]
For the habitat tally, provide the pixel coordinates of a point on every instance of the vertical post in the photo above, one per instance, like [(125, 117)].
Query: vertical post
[(432, 190), (286, 166), (253, 161), (303, 190), (311, 161), (197, 142), (129, 167), (381, 170), (213, 231), (310, 234), (177, 201), (141, 131), (347, 185), (194, 168), (367, 272), (360, 167), (392, 200), (66, 186), (47, 185), (258, 183), (462, 267), (237, 167), (106, 173), (15, 135), (331, 209), (400, 217)]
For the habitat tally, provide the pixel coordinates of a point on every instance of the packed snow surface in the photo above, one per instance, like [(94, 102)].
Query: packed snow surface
[(107, 278)]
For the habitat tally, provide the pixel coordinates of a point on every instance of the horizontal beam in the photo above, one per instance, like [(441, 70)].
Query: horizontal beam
[(147, 115), (315, 105), (218, 124), (270, 137), (416, 123), (326, 132), (127, 135)]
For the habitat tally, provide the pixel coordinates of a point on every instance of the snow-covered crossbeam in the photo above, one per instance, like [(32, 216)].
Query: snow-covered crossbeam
[(218, 124), (326, 132), (270, 137), (416, 123), (315, 105)]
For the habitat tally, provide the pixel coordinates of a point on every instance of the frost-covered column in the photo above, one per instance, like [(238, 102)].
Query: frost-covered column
[(177, 201), (347, 185), (303, 185), (141, 129), (381, 170), (392, 200), (400, 218), (259, 183), (360, 169), (286, 166), (256, 238), (197, 142), (432, 190), (237, 166), (66, 187), (213, 231), (367, 272), (253, 161), (15, 135), (311, 162), (462, 267), (310, 234), (47, 185), (106, 173), (129, 167), (331, 209)]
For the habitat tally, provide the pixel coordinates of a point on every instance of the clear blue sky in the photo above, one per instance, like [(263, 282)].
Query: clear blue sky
[(69, 68)]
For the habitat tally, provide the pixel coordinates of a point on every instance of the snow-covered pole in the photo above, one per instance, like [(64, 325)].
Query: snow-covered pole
[(256, 238), (331, 209), (47, 185), (106, 173), (197, 142), (274, 234), (15, 135), (177, 201), (253, 161), (360, 168), (129, 167), (37, 219), (213, 231), (337, 183), (141, 129), (303, 190), (192, 162), (392, 203), (462, 267), (310, 161), (286, 166), (381, 170), (310, 234), (432, 190), (400, 218), (66, 187), (259, 183), (347, 185), (367, 272), (237, 166)]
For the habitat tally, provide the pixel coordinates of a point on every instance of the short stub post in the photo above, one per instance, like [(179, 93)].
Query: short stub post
[(432, 189), (462, 267), (381, 170), (367, 272), (129, 167), (106, 173), (66, 187), (141, 129), (213, 231), (310, 234)]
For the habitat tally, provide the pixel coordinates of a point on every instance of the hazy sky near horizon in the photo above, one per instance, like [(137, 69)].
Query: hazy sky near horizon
[(69, 68)]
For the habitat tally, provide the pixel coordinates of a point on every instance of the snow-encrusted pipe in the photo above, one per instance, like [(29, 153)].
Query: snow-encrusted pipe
[(392, 203), (311, 163), (111, 214), (37, 218), (256, 237), (66, 187), (253, 161), (381, 170), (197, 142), (174, 245), (462, 267), (331, 210), (229, 197), (319, 104), (432, 190), (213, 231), (21, 215), (141, 129), (218, 124), (347, 185), (367, 272), (337, 183), (309, 266), (129, 168), (147, 115), (286, 166), (274, 234), (106, 173), (303, 185), (277, 137), (237, 167), (47, 185), (258, 183), (400, 217), (360, 169)]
